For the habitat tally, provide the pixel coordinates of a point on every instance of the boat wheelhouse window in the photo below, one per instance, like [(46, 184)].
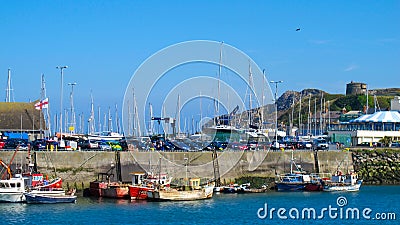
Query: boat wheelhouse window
[(19, 185), (3, 185), (12, 185)]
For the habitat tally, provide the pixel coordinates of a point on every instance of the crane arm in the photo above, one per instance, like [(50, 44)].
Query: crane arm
[(7, 168)]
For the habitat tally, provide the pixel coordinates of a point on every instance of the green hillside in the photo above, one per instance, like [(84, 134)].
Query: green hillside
[(331, 102)]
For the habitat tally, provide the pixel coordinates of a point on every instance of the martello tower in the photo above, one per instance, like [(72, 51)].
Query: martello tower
[(354, 88)]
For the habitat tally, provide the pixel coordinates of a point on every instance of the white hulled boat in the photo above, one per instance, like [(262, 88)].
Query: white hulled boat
[(12, 190)]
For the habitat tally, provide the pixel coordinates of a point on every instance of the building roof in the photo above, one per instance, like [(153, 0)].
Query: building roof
[(379, 117), (17, 116)]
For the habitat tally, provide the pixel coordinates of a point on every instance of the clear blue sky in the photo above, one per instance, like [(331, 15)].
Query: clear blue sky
[(104, 42)]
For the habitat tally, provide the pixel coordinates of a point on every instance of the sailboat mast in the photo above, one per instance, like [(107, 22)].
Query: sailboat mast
[(263, 97), (91, 119), (300, 130), (250, 92), (98, 117), (151, 121), (42, 96), (219, 81), (109, 119), (366, 111), (117, 119), (292, 120), (320, 114), (219, 77), (329, 116), (315, 116), (309, 116), (178, 115), (201, 114), (9, 89)]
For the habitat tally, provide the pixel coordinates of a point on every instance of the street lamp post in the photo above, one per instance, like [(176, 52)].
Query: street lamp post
[(61, 102), (276, 112)]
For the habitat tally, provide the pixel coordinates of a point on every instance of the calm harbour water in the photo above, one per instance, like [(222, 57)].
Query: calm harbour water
[(221, 209)]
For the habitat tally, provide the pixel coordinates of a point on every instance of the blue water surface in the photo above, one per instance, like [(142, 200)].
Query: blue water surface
[(221, 209)]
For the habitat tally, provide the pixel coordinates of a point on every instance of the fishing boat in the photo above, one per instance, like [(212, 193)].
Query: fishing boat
[(172, 194), (236, 188), (108, 189), (189, 192), (104, 186), (316, 183), (32, 198), (12, 190), (342, 182), (293, 181), (144, 182)]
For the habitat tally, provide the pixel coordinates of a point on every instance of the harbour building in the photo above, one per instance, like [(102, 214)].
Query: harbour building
[(21, 120), (368, 128)]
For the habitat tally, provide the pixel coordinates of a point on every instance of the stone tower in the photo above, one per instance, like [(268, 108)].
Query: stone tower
[(354, 88)]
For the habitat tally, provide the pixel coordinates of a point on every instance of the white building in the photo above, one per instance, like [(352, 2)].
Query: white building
[(395, 104), (368, 128)]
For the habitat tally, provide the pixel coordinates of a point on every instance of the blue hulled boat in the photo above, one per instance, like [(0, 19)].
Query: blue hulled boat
[(44, 199), (292, 182)]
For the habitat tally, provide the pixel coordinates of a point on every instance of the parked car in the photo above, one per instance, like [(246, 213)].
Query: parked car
[(237, 146), (104, 146), (2, 143), (178, 145), (396, 145), (39, 144), (277, 146), (320, 144), (88, 144), (365, 144), (252, 145), (304, 145), (217, 145)]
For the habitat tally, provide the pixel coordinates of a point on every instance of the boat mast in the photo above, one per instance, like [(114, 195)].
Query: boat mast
[(263, 103), (292, 120), (329, 116), (98, 117), (151, 121), (366, 111), (300, 130), (91, 119), (136, 114), (178, 116), (250, 92), (47, 117), (309, 116), (315, 116), (291, 164), (9, 89), (109, 119), (201, 117), (219, 81), (117, 119), (320, 114)]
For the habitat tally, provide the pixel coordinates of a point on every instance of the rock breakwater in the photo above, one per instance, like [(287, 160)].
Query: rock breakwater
[(377, 166)]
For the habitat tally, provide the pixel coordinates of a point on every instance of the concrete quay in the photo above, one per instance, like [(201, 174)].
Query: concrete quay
[(80, 167)]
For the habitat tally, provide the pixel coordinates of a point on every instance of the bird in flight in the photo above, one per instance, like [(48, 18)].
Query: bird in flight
[(297, 29)]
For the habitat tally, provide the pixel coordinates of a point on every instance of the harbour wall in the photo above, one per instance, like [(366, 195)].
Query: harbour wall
[(78, 168), (379, 166)]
